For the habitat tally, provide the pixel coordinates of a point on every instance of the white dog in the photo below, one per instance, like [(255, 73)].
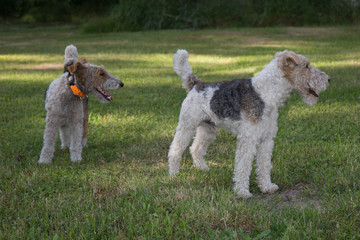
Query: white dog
[(248, 108)]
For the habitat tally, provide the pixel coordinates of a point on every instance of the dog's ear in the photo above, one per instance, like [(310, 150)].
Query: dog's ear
[(287, 61), (291, 60), (76, 68)]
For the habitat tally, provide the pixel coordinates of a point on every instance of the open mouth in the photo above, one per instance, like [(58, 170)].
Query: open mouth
[(105, 94), (313, 92)]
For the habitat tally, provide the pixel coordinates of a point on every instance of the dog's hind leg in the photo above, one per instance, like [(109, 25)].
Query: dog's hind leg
[(179, 144), (50, 135), (184, 132), (205, 135), (65, 136)]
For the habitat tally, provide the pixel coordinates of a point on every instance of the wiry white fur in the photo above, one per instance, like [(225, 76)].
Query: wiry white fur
[(273, 88), (182, 66), (253, 139)]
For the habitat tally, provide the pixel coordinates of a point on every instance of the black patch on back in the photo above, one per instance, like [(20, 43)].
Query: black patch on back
[(236, 97)]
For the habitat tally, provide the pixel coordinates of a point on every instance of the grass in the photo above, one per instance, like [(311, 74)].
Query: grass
[(121, 189)]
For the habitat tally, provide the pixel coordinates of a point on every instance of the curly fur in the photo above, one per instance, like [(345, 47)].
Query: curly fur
[(65, 111), (248, 108)]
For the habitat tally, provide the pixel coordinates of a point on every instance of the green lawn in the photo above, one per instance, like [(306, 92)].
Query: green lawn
[(121, 189)]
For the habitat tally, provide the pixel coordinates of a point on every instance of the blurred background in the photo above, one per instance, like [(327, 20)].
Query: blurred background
[(136, 15)]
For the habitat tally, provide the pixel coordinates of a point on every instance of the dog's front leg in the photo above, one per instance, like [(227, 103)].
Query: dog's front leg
[(263, 166), (76, 137), (245, 151), (50, 135)]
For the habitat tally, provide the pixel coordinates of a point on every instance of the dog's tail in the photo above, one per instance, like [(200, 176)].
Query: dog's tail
[(71, 55), (183, 69)]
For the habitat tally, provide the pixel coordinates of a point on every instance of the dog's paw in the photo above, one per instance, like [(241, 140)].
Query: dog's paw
[(76, 160), (269, 188), (75, 157), (44, 160), (202, 166), (173, 172), (174, 167), (242, 193)]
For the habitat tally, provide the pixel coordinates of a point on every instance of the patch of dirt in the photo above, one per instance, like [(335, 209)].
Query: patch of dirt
[(299, 196)]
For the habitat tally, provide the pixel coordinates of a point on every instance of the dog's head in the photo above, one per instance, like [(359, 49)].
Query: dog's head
[(94, 79), (304, 78)]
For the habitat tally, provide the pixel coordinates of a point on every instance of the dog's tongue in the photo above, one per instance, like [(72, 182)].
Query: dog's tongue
[(105, 94)]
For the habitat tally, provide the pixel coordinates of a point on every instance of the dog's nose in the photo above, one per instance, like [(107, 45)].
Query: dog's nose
[(121, 84), (329, 80)]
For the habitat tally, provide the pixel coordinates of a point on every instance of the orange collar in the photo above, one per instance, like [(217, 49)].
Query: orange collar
[(77, 91)]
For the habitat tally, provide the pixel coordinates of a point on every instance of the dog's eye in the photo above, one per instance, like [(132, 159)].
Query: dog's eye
[(102, 74), (307, 66)]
